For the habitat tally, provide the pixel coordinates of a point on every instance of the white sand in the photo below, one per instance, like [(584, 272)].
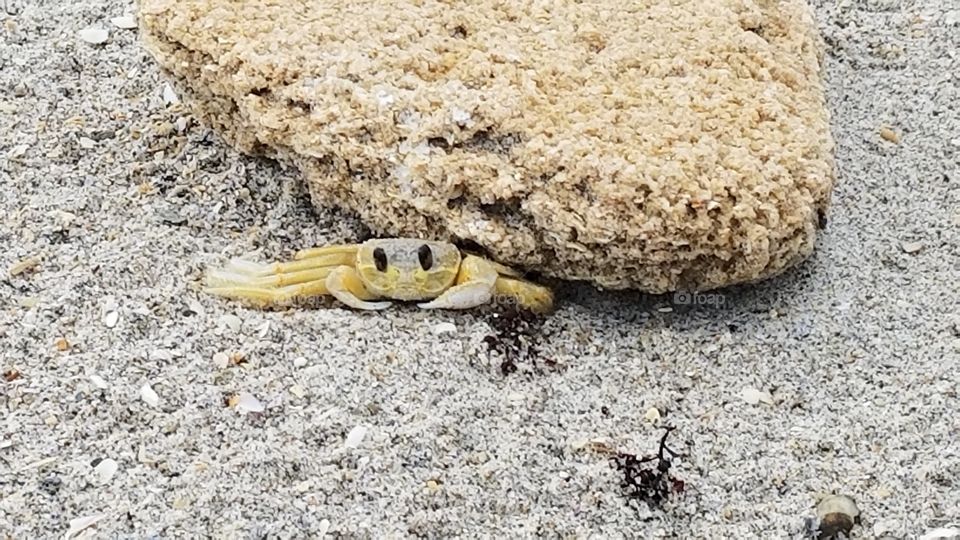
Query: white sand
[(859, 347)]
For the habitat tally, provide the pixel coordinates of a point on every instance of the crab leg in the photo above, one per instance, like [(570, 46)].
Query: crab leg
[(230, 277), (271, 296), (346, 286), (251, 268), (349, 250), (526, 294), (475, 285), (277, 283)]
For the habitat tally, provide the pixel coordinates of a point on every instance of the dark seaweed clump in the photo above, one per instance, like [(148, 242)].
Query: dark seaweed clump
[(648, 478), (516, 337)]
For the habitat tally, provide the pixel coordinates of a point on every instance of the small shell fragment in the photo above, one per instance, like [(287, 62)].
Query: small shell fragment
[(170, 95), (94, 35), (355, 437), (247, 403), (23, 265), (98, 382), (754, 396), (105, 470), (78, 525), (126, 22), (149, 396), (837, 515), (941, 533), (652, 414), (911, 247)]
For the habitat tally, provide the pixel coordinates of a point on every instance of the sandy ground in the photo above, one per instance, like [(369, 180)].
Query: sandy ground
[(377, 426)]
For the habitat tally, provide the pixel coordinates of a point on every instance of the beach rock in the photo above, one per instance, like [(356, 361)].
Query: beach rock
[(650, 145)]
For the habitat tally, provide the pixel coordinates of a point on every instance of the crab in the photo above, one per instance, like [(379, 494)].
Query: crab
[(365, 276)]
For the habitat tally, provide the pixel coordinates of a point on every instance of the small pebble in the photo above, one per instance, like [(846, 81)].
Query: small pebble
[(161, 355), (94, 35), (126, 22), (221, 360), (837, 514), (86, 143), (298, 391), (299, 362), (889, 135), (652, 415), (110, 319), (444, 328), (303, 487), (61, 344), (171, 217), (232, 322), (18, 150)]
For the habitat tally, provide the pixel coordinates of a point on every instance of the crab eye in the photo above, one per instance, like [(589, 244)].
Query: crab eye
[(425, 256), (380, 259)]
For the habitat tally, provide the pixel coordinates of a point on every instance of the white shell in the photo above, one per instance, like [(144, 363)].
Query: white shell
[(247, 403), (105, 470), (79, 524), (169, 95), (754, 396), (110, 319), (94, 35), (149, 396), (355, 437), (941, 533), (126, 22)]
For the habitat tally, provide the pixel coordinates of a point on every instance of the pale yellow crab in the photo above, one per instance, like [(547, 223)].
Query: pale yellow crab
[(404, 269)]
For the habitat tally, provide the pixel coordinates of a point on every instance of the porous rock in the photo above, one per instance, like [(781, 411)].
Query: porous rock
[(651, 145)]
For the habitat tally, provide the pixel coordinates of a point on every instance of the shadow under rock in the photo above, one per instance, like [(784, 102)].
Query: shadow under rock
[(728, 307)]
